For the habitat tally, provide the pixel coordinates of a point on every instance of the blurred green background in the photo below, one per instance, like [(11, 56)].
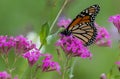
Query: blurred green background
[(22, 16)]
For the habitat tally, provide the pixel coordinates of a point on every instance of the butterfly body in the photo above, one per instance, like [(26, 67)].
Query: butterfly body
[(82, 27), (66, 33)]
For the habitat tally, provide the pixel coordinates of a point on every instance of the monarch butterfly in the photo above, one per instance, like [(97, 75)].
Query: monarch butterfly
[(83, 27)]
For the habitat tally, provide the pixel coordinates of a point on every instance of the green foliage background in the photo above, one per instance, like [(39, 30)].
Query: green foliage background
[(22, 16)]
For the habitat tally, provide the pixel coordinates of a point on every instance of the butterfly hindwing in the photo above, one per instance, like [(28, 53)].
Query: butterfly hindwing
[(85, 32)]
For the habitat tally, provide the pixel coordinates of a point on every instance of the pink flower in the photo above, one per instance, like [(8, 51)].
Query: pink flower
[(5, 75), (32, 56), (15, 77), (103, 76), (73, 47), (19, 43), (116, 21), (49, 65), (118, 64), (103, 37), (6, 43), (23, 44), (63, 22)]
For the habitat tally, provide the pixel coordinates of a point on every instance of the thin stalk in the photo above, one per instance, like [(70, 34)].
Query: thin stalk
[(36, 70), (25, 73), (66, 66), (40, 46), (65, 69), (31, 74), (15, 60), (72, 68), (58, 15)]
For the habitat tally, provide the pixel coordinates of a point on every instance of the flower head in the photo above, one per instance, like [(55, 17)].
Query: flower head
[(103, 37), (5, 75), (103, 76), (63, 22), (23, 44), (16, 77), (118, 64), (19, 43), (49, 65), (32, 56), (6, 43), (73, 47), (116, 21)]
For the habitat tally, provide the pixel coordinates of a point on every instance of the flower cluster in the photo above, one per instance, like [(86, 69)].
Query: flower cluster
[(5, 75), (19, 43), (103, 37), (118, 64), (6, 44), (25, 48), (49, 65), (116, 21), (73, 47), (103, 76), (63, 22), (32, 56), (22, 46)]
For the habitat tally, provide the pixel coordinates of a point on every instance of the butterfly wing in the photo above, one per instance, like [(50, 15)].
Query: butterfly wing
[(87, 15), (86, 32)]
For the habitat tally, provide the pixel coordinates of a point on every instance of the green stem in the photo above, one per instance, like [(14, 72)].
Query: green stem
[(31, 74), (36, 70), (40, 46), (5, 58), (25, 73), (15, 60), (66, 66), (71, 70), (58, 15)]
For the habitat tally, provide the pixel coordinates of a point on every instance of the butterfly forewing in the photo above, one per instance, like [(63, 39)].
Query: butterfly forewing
[(87, 15)]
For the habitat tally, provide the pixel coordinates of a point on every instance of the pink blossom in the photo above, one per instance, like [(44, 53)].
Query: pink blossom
[(49, 65), (103, 76), (103, 37), (63, 22), (15, 77), (115, 19), (118, 62), (23, 44), (5, 75), (6, 43), (32, 56), (73, 47), (19, 43)]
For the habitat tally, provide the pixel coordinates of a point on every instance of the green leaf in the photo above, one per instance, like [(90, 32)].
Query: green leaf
[(44, 32)]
